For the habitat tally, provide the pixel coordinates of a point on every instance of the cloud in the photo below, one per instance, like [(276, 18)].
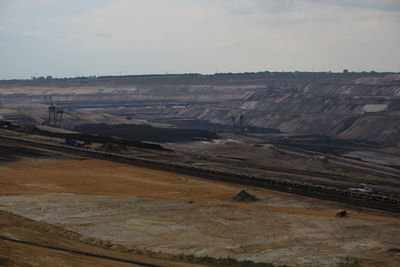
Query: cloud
[(142, 36), (4, 4), (388, 5), (34, 33), (176, 30), (256, 6)]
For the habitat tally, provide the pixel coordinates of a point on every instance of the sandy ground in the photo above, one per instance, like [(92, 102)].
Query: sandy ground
[(38, 234), (174, 213)]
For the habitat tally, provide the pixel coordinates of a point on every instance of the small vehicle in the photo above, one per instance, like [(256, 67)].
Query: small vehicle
[(342, 214), (74, 143)]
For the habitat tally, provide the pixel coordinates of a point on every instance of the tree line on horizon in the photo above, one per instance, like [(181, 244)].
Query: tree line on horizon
[(260, 73)]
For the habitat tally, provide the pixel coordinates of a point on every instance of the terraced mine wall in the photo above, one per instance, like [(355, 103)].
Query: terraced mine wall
[(357, 106), (82, 137)]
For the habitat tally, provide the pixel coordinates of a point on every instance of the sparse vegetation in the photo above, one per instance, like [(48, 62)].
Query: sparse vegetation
[(222, 262), (350, 262), (206, 260)]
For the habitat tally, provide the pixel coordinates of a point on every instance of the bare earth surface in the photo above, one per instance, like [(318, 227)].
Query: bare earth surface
[(172, 213), (41, 239)]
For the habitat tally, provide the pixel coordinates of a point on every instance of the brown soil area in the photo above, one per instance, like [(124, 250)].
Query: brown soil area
[(98, 177), (174, 213), (106, 178), (25, 255)]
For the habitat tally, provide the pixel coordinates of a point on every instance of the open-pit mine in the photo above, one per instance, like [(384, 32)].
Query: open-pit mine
[(256, 169)]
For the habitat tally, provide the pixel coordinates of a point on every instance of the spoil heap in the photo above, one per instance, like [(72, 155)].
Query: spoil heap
[(113, 148), (243, 196)]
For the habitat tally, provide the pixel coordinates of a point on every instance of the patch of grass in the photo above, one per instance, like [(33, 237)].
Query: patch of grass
[(204, 260)]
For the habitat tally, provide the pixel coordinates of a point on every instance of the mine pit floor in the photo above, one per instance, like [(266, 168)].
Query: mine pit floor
[(171, 213)]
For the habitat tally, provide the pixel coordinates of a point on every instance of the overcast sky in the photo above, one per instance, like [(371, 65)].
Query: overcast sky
[(66, 38)]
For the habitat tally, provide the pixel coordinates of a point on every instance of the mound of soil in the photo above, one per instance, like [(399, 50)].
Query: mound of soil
[(113, 148), (147, 133), (243, 196)]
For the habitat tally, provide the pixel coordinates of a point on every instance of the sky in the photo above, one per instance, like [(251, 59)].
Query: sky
[(68, 38)]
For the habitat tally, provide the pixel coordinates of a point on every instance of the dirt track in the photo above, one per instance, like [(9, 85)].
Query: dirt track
[(39, 256)]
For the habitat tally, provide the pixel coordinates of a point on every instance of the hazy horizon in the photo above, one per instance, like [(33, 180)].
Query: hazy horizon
[(129, 37)]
